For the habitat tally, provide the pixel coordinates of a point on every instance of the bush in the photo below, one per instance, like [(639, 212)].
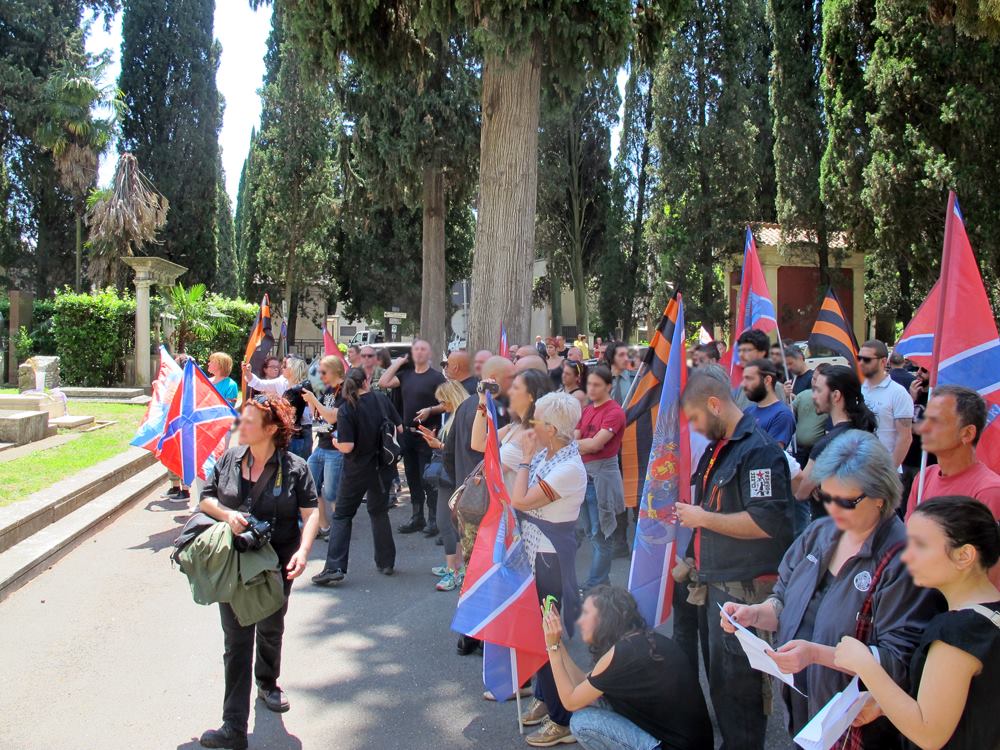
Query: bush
[(24, 344), (229, 334), (93, 334)]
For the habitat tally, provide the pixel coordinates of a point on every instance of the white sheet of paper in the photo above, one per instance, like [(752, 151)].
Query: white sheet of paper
[(756, 650), (826, 727)]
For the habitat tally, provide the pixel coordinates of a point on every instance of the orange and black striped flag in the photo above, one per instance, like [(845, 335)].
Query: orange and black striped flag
[(832, 331), (261, 341), (643, 405)]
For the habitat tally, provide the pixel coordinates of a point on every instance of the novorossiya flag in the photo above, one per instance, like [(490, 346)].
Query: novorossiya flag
[(754, 309), (503, 349), (917, 342), (147, 436), (667, 482), (832, 331)]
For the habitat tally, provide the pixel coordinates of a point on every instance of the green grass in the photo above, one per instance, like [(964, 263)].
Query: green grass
[(23, 476)]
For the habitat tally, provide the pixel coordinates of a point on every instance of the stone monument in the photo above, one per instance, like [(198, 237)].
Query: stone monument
[(149, 270), (38, 374)]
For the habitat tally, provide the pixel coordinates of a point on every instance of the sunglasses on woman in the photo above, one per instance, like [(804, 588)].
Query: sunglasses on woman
[(841, 502)]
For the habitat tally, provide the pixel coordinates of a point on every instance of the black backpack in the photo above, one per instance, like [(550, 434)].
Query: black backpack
[(388, 452)]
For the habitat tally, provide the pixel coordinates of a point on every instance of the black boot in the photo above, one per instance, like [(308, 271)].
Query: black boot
[(225, 737), (413, 525)]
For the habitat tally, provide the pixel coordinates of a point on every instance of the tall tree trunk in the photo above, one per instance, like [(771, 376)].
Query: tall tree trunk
[(555, 294), (578, 208), (433, 301), (504, 251), (291, 296), (637, 253), (293, 318)]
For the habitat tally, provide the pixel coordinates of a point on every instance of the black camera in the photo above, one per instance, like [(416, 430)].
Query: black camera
[(254, 537), (485, 387)]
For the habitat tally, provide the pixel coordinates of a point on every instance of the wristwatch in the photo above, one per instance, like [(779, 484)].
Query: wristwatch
[(553, 647)]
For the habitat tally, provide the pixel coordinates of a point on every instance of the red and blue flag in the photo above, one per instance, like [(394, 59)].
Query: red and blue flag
[(154, 421), (755, 308), (504, 349), (658, 535), (917, 342), (499, 601), (197, 421)]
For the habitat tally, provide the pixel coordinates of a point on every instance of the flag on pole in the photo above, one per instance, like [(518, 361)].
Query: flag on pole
[(667, 482), (917, 342), (499, 601), (197, 420), (147, 436), (754, 309), (966, 344), (261, 340), (330, 348), (503, 349), (704, 337), (832, 331), (642, 408)]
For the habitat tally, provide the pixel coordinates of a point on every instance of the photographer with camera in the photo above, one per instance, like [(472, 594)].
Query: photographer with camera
[(262, 491)]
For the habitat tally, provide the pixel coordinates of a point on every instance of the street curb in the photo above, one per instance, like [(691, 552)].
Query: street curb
[(28, 558)]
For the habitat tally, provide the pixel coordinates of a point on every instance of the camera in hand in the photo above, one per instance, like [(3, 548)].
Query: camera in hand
[(485, 387), (254, 537)]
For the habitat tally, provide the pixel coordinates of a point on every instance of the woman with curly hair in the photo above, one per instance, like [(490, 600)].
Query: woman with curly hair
[(651, 692), (287, 497)]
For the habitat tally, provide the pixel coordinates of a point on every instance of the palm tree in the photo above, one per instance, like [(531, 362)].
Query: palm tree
[(122, 219), (70, 130), (193, 314)]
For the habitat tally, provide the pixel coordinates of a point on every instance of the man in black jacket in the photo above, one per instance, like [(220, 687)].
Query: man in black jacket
[(741, 519)]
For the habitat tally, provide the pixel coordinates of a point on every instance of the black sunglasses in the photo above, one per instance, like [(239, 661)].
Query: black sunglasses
[(866, 360), (841, 502)]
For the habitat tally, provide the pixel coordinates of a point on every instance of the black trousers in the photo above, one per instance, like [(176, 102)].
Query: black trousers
[(416, 454), (548, 580), (238, 658), (374, 485)]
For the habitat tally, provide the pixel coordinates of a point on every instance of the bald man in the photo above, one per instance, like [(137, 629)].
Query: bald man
[(525, 351), (531, 362), (459, 368), (477, 362)]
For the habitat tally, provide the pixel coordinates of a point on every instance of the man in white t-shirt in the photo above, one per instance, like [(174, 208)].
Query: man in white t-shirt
[(890, 402)]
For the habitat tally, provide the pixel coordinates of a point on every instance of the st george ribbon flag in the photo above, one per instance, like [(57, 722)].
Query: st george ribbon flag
[(197, 421), (261, 340), (658, 535), (499, 601), (503, 350), (832, 331), (966, 344), (147, 436), (754, 309)]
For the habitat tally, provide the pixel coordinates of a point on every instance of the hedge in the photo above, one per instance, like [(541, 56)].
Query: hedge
[(230, 334), (93, 334)]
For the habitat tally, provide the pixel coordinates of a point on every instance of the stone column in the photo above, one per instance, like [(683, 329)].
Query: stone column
[(142, 287), (20, 315)]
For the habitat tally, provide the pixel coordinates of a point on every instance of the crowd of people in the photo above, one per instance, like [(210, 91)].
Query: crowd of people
[(810, 523)]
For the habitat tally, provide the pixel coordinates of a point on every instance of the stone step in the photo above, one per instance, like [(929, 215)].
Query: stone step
[(23, 427), (28, 558), (68, 422), (29, 516), (103, 394)]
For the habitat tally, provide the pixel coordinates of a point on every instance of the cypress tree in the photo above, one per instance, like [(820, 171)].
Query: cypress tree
[(227, 280), (173, 118)]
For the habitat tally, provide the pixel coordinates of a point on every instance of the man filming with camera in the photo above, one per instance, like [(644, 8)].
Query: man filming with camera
[(262, 491)]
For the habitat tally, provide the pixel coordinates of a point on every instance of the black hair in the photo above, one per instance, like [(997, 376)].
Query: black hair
[(603, 373), (765, 367), (845, 380), (354, 382), (970, 406), (881, 350), (966, 521), (609, 352), (709, 350), (578, 367), (617, 616), (538, 384), (757, 339), (794, 352)]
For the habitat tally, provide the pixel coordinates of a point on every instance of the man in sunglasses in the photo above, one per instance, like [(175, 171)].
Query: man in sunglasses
[(891, 403), (742, 522)]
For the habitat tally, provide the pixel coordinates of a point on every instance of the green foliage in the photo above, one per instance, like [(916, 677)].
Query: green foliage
[(977, 18), (93, 334), (24, 344), (228, 280), (226, 334), (193, 315), (168, 65)]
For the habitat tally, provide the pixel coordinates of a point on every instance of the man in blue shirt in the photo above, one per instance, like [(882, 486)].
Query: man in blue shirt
[(773, 416)]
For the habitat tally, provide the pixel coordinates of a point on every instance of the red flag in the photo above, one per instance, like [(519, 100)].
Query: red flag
[(755, 309), (330, 348)]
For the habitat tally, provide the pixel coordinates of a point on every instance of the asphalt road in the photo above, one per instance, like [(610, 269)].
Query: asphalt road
[(107, 650)]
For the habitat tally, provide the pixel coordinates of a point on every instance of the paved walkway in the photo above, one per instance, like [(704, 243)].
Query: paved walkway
[(107, 650)]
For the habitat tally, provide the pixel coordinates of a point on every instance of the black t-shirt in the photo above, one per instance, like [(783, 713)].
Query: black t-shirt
[(331, 399), (470, 384), (656, 689), (802, 382), (360, 424), (978, 729), (417, 389), (294, 397)]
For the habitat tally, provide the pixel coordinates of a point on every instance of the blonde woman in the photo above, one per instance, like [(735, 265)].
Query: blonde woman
[(450, 396), (220, 365), (326, 462)]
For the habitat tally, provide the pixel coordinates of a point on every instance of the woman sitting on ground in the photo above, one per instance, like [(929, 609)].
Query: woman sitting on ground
[(955, 671), (644, 677), (574, 378)]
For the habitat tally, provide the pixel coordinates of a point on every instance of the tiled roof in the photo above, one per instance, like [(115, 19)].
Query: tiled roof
[(768, 233)]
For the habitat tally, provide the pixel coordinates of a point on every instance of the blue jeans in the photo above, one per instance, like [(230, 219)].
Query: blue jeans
[(325, 465), (603, 547), (603, 729), (302, 446)]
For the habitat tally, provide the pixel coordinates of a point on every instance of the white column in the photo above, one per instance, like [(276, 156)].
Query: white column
[(142, 286)]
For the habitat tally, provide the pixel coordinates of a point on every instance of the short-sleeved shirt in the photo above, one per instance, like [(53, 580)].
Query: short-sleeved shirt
[(776, 420), (417, 390), (331, 399), (810, 426), (360, 424), (567, 483), (901, 376), (889, 401), (803, 382), (978, 729), (649, 683), (978, 481), (228, 389), (608, 416)]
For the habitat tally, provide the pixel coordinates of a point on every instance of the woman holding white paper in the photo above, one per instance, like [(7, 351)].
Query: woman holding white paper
[(952, 700), (835, 565)]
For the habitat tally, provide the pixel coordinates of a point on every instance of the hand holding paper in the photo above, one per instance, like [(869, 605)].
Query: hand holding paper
[(757, 650), (826, 727)]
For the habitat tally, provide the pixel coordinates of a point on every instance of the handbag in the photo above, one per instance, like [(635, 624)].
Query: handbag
[(852, 737), (435, 475), (388, 444), (471, 499)]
